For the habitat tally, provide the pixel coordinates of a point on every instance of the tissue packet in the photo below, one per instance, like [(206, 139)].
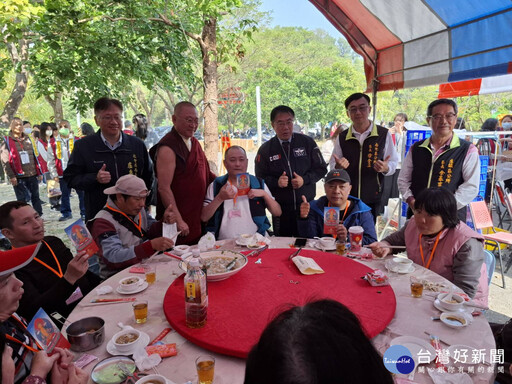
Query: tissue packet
[(377, 278), (306, 265), (164, 350)]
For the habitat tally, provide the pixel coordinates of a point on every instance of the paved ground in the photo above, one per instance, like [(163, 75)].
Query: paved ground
[(499, 301)]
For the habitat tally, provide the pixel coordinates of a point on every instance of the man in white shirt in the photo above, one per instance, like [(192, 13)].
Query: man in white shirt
[(231, 209), (366, 151)]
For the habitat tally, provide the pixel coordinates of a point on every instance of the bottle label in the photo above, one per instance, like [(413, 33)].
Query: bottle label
[(191, 290)]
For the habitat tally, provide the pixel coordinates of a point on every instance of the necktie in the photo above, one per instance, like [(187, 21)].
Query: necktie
[(286, 148)]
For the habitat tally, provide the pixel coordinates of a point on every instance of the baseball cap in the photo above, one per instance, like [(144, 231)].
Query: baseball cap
[(130, 185), (17, 258), (337, 174)]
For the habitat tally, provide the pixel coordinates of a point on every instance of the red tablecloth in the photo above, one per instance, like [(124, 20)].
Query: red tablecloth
[(241, 306)]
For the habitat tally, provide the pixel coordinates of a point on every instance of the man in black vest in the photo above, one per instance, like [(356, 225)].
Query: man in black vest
[(290, 164), (366, 151), (443, 160)]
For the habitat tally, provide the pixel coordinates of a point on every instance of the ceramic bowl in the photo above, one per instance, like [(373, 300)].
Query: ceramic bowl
[(123, 346)]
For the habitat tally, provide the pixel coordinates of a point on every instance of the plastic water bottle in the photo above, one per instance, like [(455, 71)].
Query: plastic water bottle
[(196, 295), (197, 254)]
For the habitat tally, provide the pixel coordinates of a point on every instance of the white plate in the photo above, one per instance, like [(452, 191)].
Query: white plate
[(415, 345), (454, 324), (178, 252), (437, 304), (238, 242), (255, 246), (143, 341), (218, 276), (390, 268), (142, 287), (319, 246)]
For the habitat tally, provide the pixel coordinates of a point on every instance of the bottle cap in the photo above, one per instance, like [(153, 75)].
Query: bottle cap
[(194, 262)]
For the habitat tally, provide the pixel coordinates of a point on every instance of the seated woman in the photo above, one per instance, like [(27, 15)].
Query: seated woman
[(22, 360), (321, 342), (439, 241)]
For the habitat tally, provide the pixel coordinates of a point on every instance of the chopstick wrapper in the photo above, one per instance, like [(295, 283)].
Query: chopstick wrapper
[(306, 265)]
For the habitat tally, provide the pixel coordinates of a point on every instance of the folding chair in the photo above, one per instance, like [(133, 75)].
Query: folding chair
[(502, 205), (490, 263), (482, 220)]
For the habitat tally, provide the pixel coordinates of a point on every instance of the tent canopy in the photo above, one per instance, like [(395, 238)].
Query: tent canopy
[(414, 43)]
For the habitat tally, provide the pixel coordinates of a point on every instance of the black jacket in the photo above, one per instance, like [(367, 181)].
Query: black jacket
[(89, 155), (305, 159), (44, 289)]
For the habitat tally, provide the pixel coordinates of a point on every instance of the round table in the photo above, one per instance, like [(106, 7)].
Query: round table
[(240, 307), (412, 317)]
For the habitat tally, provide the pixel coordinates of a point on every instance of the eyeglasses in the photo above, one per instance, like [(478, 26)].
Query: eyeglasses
[(448, 116), (284, 123), (362, 109), (110, 118)]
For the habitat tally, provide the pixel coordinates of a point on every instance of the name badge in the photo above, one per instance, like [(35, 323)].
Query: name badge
[(235, 212), (77, 295), (24, 157)]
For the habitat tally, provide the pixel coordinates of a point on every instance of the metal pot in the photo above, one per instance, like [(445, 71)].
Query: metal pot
[(86, 334)]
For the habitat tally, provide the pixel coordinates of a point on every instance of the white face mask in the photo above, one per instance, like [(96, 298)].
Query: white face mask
[(507, 126), (27, 131), (48, 133)]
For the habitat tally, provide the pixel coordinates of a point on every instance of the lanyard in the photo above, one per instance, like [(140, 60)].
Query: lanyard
[(59, 274), (13, 339), (432, 253), (138, 226), (344, 213)]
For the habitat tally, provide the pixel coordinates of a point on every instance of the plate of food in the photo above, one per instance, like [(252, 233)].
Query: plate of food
[(113, 370), (220, 265)]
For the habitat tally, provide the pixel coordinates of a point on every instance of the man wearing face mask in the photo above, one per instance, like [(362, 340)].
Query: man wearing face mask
[(59, 149)]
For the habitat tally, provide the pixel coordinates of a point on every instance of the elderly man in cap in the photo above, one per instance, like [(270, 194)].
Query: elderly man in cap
[(353, 212), (124, 231)]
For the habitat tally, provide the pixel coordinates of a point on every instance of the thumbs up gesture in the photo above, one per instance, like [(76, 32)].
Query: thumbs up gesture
[(382, 165), (283, 180), (103, 176), (340, 163), (297, 181), (304, 208)]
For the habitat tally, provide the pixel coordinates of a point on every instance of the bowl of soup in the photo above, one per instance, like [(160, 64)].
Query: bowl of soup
[(130, 283), (126, 339), (152, 379), (220, 265)]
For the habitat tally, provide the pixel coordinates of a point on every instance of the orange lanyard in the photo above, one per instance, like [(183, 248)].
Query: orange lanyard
[(432, 253), (59, 274), (344, 213), (13, 339), (138, 226)]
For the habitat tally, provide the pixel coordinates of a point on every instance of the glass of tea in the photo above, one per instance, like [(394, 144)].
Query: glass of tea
[(140, 311), (205, 365), (416, 287), (150, 272)]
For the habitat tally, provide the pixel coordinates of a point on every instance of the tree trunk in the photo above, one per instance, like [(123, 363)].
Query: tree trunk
[(209, 55), (56, 103), (19, 55)]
